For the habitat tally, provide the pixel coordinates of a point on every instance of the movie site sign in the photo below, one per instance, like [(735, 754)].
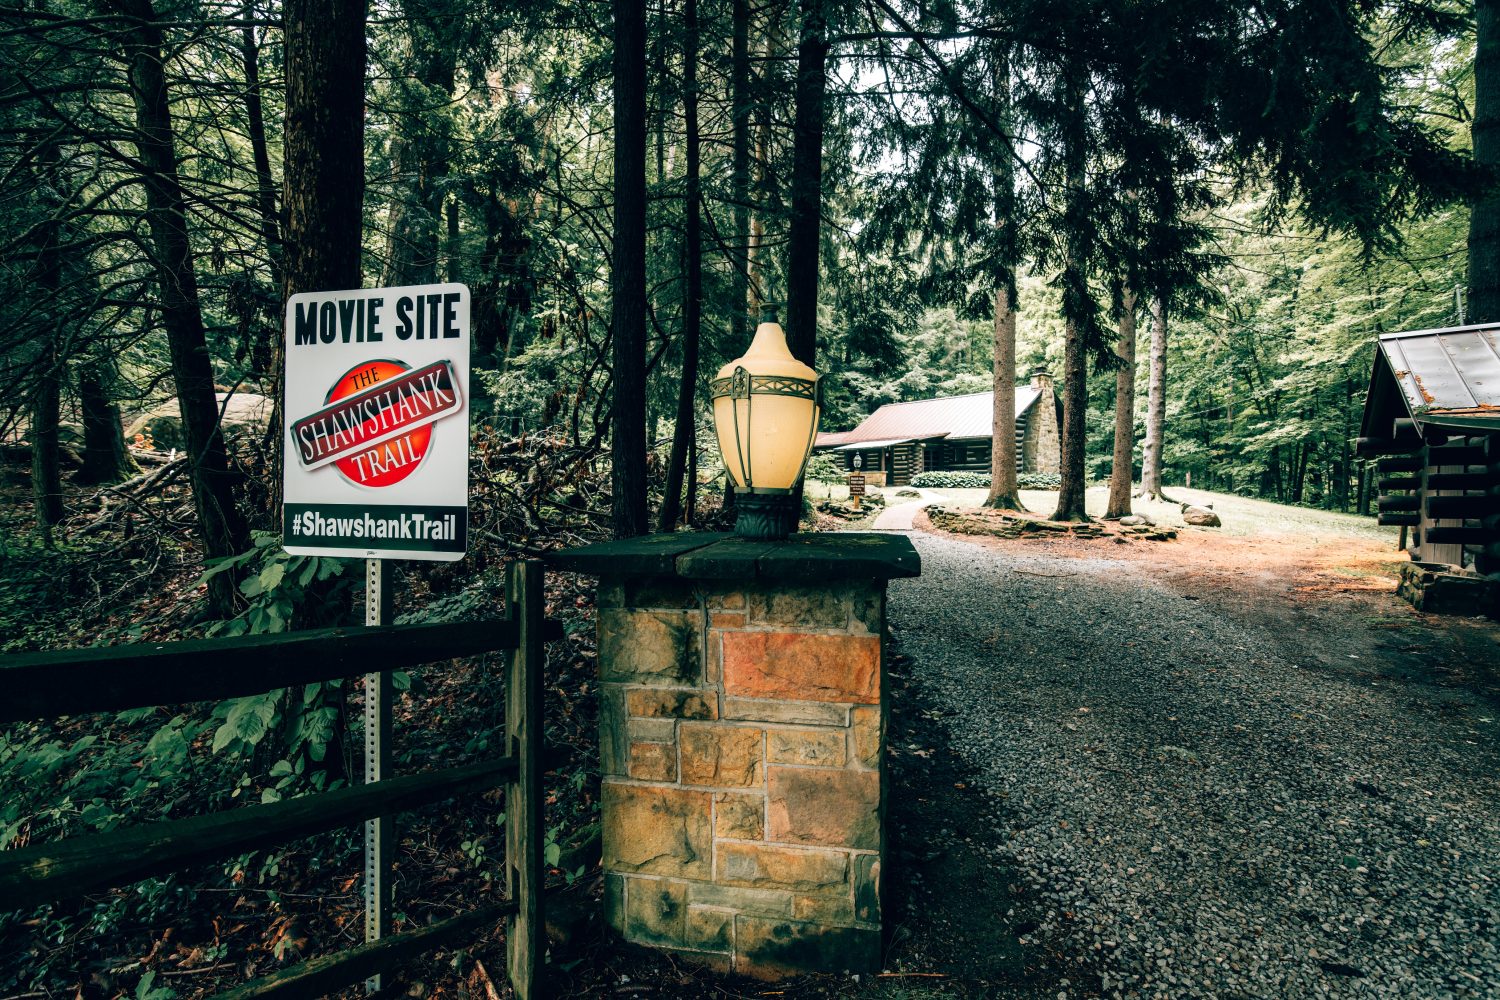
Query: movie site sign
[(376, 439)]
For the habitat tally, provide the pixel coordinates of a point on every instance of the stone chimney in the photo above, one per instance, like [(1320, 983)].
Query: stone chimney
[(1041, 450)]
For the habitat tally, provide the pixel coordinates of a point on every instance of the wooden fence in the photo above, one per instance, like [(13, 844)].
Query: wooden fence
[(73, 682)]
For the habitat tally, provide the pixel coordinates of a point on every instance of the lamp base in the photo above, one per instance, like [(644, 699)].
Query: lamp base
[(767, 516)]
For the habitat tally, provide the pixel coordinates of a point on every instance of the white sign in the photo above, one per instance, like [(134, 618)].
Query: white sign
[(375, 439)]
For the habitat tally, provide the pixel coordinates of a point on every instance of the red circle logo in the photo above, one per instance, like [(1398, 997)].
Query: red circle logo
[(389, 462)]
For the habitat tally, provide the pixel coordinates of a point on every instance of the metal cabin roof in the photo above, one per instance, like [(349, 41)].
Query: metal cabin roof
[(1448, 377), (970, 416)]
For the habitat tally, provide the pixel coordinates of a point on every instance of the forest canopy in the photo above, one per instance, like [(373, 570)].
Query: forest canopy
[(1276, 188)]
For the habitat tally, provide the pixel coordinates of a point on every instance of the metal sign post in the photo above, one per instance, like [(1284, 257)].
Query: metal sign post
[(380, 834)]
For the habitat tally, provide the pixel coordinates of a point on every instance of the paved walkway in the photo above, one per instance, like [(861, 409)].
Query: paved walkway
[(1192, 809), (899, 517)]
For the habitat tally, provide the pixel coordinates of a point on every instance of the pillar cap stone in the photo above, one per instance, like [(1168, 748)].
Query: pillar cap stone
[(705, 555)]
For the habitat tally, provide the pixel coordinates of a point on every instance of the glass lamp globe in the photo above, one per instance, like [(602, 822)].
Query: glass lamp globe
[(766, 406)]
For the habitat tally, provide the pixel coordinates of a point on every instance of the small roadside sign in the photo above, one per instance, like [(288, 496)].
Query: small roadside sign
[(856, 487), (376, 423)]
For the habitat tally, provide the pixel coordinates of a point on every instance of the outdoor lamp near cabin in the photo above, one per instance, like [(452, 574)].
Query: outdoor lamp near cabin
[(766, 410)]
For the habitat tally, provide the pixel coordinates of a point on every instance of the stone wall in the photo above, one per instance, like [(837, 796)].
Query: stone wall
[(1439, 589), (742, 749)]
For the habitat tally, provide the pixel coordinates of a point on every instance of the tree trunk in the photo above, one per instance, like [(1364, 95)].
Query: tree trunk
[(324, 165), (1122, 467), (262, 349), (757, 266), (1004, 491), (805, 231), (222, 528), (684, 436), (422, 143), (46, 393), (739, 177), (105, 458), (1484, 219), (1076, 307), (1156, 405), (628, 278), (46, 450)]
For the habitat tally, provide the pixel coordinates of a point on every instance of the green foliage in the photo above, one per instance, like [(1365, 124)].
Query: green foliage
[(952, 480), (823, 467), (1039, 481), (147, 989), (281, 590), (37, 581)]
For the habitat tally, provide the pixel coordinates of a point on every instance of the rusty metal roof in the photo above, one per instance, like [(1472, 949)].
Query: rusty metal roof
[(970, 416), (1448, 377)]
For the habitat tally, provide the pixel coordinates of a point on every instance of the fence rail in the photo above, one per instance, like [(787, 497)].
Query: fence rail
[(73, 682)]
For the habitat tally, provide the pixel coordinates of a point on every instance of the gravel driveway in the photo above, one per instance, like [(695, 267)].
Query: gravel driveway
[(1200, 816)]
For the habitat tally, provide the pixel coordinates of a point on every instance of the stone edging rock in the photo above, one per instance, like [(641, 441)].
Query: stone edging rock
[(1005, 524)]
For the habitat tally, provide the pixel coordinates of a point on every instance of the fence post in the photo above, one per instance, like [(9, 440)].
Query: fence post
[(524, 824)]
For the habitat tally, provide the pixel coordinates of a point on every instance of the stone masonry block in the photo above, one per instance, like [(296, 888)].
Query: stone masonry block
[(867, 729), (769, 948), (867, 888), (710, 929), (673, 704), (765, 902), (797, 713), (646, 592), (762, 866), (816, 606), (614, 734), (867, 609), (740, 816), (725, 598), (653, 761), (614, 901), (649, 646), (825, 807), (657, 830), (652, 730), (725, 756), (837, 909), (656, 912), (808, 747), (838, 668), (713, 658)]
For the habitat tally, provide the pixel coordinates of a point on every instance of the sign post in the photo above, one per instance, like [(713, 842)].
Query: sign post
[(856, 488), (376, 466)]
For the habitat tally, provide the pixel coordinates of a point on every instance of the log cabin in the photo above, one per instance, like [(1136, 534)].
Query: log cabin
[(1432, 422), (950, 433)]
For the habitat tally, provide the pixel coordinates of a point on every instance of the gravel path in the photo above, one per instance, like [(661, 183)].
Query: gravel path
[(900, 516), (1198, 816)]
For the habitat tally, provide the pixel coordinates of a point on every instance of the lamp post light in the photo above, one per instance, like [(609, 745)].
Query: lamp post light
[(766, 410)]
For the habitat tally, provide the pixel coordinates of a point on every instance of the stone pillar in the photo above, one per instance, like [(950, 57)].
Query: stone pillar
[(742, 734)]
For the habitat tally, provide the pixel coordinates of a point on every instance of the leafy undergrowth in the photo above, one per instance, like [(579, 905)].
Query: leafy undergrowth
[(127, 570)]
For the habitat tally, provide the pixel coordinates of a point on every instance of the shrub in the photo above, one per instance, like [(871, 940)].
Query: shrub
[(952, 480), (823, 467), (981, 480)]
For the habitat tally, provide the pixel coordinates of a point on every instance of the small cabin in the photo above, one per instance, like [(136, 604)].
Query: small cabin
[(951, 433), (1432, 422)]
